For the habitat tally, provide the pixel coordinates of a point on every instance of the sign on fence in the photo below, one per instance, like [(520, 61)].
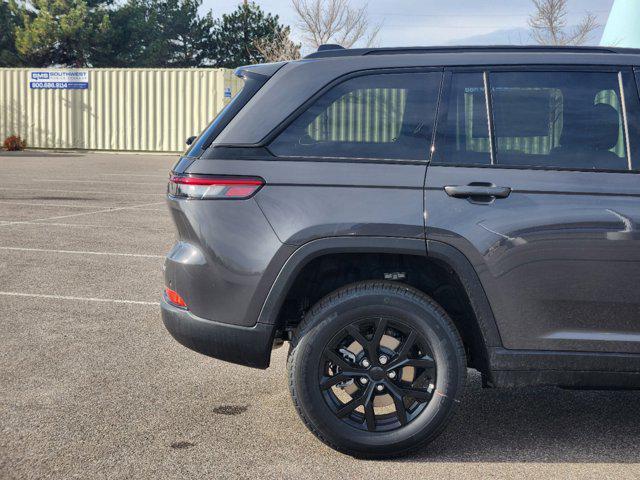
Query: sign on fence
[(124, 109), (59, 80)]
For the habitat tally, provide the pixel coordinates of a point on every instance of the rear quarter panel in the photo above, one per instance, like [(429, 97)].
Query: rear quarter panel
[(305, 199)]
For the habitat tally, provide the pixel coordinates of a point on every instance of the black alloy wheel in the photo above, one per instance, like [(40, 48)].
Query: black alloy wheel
[(376, 369), (380, 362)]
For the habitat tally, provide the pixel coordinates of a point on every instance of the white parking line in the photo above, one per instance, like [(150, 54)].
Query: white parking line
[(47, 205), (84, 225), (81, 252), (166, 174), (65, 225), (13, 189), (65, 205), (56, 180), (59, 217), (85, 299)]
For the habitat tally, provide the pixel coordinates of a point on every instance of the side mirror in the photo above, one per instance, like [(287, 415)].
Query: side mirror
[(190, 140)]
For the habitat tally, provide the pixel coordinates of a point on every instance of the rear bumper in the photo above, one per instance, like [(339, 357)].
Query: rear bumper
[(250, 346)]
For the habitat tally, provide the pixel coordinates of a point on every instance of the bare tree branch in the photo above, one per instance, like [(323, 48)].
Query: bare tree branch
[(278, 49), (549, 24), (334, 21), (580, 34)]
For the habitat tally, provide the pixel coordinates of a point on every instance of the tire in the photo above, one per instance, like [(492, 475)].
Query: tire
[(319, 379)]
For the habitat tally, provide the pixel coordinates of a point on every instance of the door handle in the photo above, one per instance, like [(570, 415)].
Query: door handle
[(475, 191)]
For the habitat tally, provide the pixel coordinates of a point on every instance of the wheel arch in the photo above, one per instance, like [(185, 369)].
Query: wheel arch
[(483, 332), (326, 246)]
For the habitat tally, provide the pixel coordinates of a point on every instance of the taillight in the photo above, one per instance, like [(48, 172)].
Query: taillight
[(213, 187), (174, 298)]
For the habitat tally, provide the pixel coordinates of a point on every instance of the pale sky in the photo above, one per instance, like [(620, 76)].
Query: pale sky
[(441, 22)]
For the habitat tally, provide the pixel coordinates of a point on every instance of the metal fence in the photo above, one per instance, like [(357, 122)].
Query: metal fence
[(151, 110)]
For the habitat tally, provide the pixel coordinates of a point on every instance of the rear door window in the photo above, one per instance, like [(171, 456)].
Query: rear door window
[(558, 119), (382, 116), (463, 131)]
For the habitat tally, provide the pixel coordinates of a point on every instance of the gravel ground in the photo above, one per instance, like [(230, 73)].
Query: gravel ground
[(93, 388)]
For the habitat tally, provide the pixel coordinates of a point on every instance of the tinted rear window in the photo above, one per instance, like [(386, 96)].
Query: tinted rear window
[(559, 119), (372, 116)]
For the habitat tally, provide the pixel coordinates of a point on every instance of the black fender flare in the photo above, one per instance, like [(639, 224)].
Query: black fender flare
[(462, 267), (325, 246), (439, 251)]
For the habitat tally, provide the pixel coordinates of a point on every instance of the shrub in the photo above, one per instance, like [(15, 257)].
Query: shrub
[(14, 143)]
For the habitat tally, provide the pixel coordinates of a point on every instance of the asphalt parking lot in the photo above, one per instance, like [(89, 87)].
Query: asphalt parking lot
[(92, 386)]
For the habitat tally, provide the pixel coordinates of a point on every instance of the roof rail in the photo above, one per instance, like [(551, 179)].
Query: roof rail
[(338, 51)]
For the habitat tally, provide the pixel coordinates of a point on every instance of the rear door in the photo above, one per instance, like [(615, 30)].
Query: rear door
[(544, 200)]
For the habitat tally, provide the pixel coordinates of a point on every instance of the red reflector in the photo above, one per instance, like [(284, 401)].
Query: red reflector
[(174, 298), (210, 188), (239, 191)]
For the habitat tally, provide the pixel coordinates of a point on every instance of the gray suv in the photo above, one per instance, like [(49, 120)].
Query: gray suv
[(400, 215)]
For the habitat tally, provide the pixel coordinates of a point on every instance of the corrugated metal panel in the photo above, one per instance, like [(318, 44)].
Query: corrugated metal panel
[(151, 110), (364, 115)]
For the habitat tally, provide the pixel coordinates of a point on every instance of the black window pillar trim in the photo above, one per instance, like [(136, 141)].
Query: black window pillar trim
[(253, 82), (441, 113)]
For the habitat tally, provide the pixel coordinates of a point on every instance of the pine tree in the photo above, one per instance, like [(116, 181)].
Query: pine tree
[(61, 32), (10, 19), (235, 36)]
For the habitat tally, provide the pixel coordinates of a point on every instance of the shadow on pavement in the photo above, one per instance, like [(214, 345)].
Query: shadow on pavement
[(43, 153), (540, 425)]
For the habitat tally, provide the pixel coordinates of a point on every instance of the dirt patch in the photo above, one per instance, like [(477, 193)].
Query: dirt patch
[(230, 409), (182, 445)]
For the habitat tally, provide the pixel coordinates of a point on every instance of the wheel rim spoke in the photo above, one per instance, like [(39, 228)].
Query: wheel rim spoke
[(420, 395), (406, 346), (398, 401), (422, 362), (339, 361), (364, 343), (329, 382), (420, 378), (401, 392), (355, 402), (381, 326), (349, 407), (370, 415)]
